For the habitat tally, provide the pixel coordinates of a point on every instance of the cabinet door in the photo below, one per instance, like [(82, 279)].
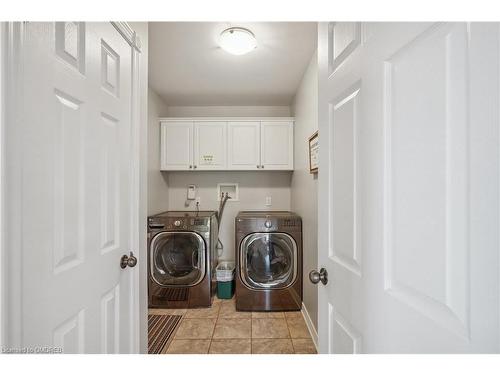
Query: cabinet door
[(244, 145), (276, 145), (176, 146), (210, 145)]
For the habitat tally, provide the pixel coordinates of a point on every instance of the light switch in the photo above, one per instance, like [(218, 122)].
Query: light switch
[(191, 192)]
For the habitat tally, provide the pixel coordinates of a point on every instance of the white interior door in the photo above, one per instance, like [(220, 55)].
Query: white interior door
[(177, 145), (243, 145), (408, 187), (72, 188), (210, 145)]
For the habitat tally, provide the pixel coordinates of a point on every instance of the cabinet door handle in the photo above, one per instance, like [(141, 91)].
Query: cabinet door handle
[(262, 166), (190, 167), (258, 166), (195, 167)]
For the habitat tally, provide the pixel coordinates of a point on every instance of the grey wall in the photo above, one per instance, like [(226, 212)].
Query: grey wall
[(195, 111), (254, 187), (304, 187), (157, 182)]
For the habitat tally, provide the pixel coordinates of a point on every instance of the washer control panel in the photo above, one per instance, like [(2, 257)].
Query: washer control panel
[(269, 224), (289, 222)]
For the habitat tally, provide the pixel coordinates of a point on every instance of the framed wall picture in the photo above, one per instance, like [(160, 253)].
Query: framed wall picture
[(313, 153)]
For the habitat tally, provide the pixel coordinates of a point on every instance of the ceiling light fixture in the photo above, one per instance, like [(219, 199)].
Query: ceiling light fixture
[(237, 40)]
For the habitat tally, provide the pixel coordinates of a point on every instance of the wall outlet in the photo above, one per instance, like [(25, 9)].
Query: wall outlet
[(268, 201), (198, 200)]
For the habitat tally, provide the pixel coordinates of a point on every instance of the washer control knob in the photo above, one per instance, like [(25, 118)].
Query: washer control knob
[(268, 224), (177, 223)]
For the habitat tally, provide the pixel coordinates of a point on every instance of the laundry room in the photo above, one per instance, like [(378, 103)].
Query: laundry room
[(229, 132), (231, 185)]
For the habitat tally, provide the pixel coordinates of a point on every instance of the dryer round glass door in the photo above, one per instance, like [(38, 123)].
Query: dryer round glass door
[(177, 258), (268, 260)]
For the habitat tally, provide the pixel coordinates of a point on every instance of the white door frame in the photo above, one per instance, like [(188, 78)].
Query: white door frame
[(2, 124), (11, 43), (11, 36)]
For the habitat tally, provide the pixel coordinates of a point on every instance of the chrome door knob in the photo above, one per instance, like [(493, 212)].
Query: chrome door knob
[(128, 260), (316, 276)]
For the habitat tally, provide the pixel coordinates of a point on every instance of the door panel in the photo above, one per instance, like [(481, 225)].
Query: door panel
[(409, 176), (177, 145), (244, 145), (76, 181), (345, 123), (429, 199), (210, 145)]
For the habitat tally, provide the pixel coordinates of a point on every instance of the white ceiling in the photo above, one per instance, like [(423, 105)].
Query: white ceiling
[(187, 67)]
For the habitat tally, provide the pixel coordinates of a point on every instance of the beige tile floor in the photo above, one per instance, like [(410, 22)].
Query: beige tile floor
[(221, 329)]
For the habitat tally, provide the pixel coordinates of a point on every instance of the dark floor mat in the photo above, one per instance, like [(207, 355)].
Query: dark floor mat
[(160, 328)]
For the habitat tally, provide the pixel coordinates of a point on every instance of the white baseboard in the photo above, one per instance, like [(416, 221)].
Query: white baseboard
[(310, 326)]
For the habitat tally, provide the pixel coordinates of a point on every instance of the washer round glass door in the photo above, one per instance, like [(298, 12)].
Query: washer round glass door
[(177, 258), (268, 260)]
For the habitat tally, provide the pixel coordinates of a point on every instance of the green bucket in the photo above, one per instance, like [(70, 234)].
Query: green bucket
[(225, 289)]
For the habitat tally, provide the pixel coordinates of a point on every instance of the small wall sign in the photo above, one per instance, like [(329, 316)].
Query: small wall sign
[(313, 153), (207, 159)]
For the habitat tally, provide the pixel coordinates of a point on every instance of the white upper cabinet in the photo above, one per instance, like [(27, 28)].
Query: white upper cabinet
[(276, 145), (177, 145), (244, 145), (235, 144), (210, 145)]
